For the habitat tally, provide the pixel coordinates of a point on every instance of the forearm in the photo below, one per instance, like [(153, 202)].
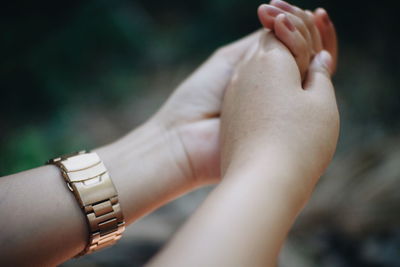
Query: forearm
[(41, 220), (244, 222), (147, 169)]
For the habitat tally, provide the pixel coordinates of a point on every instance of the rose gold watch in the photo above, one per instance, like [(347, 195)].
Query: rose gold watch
[(89, 181)]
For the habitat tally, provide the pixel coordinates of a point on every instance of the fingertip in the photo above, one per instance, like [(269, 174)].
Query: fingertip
[(283, 29), (280, 29), (325, 59), (282, 5), (282, 18), (262, 9), (322, 62), (264, 16), (309, 14), (323, 15), (320, 11), (328, 34)]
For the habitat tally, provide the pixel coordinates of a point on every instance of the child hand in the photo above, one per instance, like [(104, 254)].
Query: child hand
[(316, 30)]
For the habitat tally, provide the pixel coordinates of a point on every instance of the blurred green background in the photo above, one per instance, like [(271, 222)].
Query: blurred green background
[(78, 74)]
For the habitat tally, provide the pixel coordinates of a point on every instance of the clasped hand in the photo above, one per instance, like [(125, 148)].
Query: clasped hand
[(256, 83)]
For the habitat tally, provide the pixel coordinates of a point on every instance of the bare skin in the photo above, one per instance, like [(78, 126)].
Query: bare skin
[(316, 28), (151, 166), (277, 139), (182, 140)]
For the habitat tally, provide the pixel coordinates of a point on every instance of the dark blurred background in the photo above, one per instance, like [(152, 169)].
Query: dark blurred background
[(78, 74)]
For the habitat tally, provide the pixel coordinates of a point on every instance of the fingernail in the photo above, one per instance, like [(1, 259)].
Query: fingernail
[(288, 23), (282, 5), (272, 11)]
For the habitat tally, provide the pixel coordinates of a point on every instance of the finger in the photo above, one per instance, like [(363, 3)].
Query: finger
[(317, 41), (268, 13), (292, 38), (319, 78), (309, 29), (302, 27), (328, 35)]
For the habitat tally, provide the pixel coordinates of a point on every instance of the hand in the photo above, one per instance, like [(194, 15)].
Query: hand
[(276, 140), (317, 30), (266, 111), (191, 115)]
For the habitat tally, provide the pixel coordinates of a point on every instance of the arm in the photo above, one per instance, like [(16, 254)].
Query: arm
[(174, 152), (277, 139), (243, 222), (40, 217), (41, 220)]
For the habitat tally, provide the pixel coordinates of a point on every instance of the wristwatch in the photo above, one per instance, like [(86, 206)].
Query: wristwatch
[(88, 179)]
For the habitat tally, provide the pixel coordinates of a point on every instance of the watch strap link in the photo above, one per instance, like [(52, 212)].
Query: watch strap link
[(88, 179)]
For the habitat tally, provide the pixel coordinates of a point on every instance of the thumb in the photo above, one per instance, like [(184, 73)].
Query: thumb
[(319, 73)]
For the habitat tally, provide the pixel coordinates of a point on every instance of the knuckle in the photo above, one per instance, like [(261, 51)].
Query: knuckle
[(222, 51), (304, 16), (298, 22)]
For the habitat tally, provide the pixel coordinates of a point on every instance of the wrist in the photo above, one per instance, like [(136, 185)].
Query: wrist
[(145, 167), (273, 168)]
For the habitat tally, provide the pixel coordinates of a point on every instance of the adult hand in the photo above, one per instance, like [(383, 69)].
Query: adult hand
[(266, 110), (277, 138), (191, 114)]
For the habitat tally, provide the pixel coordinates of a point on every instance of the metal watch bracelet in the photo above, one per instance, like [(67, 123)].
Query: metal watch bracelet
[(89, 181)]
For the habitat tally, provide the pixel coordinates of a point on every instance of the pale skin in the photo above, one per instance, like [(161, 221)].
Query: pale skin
[(278, 136), (181, 140)]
